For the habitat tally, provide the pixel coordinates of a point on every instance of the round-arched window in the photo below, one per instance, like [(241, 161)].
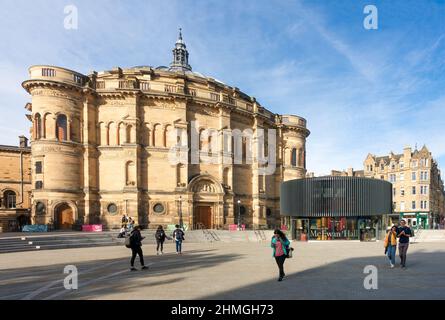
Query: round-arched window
[(40, 208), (158, 208), (268, 212), (112, 208)]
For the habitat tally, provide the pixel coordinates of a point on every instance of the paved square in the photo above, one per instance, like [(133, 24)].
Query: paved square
[(319, 270)]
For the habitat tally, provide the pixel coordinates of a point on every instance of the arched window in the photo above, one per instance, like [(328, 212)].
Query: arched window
[(170, 136), (61, 127), (293, 160), (10, 199), (226, 176), (75, 130), (158, 136), (103, 134), (178, 175), (128, 134), (130, 173), (203, 140), (37, 127), (113, 139)]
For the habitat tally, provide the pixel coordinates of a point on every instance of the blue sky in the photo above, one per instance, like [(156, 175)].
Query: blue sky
[(360, 90)]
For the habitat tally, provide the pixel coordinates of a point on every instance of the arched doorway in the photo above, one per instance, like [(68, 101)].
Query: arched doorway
[(64, 217), (208, 202)]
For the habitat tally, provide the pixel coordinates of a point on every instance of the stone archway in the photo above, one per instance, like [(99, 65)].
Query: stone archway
[(64, 216), (208, 202)]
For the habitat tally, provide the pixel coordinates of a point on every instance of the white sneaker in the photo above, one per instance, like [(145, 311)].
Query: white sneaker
[(392, 266), (162, 252), (157, 253)]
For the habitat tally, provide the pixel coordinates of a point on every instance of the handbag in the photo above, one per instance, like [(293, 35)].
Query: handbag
[(127, 241), (289, 252)]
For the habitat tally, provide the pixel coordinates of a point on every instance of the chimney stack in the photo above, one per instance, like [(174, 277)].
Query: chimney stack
[(23, 142), (407, 153)]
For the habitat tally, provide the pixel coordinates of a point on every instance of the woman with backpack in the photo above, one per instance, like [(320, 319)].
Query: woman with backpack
[(280, 245), (160, 238), (135, 246), (390, 244), (178, 235)]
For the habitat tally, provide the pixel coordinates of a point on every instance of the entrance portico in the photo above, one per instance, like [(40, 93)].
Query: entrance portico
[(208, 202)]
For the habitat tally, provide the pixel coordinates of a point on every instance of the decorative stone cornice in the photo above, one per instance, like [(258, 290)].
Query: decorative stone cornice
[(28, 85)]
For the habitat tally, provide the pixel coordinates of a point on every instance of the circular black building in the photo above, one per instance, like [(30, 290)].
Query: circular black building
[(336, 208)]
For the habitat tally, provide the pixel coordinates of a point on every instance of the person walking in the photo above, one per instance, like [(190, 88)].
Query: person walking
[(135, 245), (403, 233), (178, 235), (280, 245), (160, 238), (390, 244)]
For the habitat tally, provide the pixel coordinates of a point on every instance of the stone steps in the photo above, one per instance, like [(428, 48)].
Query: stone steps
[(51, 241)]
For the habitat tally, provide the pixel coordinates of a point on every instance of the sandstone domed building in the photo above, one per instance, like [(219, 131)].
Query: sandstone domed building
[(101, 144)]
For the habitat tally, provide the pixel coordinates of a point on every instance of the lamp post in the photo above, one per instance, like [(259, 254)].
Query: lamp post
[(180, 212), (239, 214)]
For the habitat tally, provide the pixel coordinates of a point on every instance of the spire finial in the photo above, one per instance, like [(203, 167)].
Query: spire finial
[(180, 55)]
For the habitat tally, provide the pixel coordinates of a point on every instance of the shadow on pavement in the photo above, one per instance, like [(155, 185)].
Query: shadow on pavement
[(424, 278), (105, 276)]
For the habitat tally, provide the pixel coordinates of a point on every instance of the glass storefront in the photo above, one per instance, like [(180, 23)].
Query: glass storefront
[(336, 228)]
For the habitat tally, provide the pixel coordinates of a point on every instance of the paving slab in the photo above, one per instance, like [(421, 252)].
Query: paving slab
[(245, 270)]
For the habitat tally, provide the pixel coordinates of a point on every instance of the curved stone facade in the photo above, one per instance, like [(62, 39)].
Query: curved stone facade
[(106, 141)]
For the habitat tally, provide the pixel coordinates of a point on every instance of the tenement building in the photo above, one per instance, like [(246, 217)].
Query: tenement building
[(107, 144), (15, 185), (418, 190)]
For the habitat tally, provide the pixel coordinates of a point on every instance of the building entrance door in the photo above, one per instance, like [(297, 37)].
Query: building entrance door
[(64, 217), (203, 217)]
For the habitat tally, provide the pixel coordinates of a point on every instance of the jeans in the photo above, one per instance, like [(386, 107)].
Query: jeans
[(391, 253), (403, 248), (137, 251), (280, 262), (178, 245), (160, 244)]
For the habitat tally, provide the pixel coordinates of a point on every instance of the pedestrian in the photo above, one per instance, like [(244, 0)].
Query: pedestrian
[(130, 224), (122, 233), (178, 235), (280, 245), (135, 245), (403, 233), (390, 244), (160, 238), (124, 221)]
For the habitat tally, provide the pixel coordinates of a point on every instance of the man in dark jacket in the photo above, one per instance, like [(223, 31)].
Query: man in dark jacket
[(136, 244), (403, 233)]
